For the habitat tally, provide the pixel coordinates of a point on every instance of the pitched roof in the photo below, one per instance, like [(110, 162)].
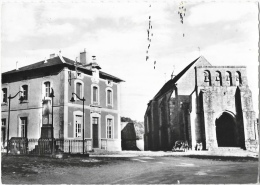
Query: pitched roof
[(59, 60), (171, 83)]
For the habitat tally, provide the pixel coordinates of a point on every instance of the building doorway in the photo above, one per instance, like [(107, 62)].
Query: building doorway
[(95, 131), (226, 130)]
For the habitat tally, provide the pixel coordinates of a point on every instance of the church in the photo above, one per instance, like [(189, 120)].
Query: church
[(204, 104)]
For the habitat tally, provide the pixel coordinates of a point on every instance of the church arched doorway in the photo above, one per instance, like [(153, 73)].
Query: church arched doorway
[(226, 130)]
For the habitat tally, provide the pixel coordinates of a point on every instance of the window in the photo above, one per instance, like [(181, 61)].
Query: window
[(95, 94), (109, 97), (228, 78), (78, 126), (238, 78), (47, 89), (207, 77), (109, 128), (3, 122), (4, 94), (79, 89), (3, 132), (23, 126), (218, 78), (95, 120), (25, 92)]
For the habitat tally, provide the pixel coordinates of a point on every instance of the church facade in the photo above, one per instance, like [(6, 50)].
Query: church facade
[(203, 103)]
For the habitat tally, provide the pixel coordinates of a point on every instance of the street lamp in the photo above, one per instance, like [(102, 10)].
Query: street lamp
[(52, 128), (9, 107), (83, 100)]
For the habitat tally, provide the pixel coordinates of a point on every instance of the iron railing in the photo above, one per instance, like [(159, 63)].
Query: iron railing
[(44, 146)]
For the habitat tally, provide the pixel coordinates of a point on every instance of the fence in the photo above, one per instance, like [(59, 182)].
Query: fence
[(44, 146), (73, 146)]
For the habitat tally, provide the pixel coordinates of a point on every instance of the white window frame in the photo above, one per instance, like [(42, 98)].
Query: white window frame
[(20, 125), (44, 88), (98, 97), (112, 99), (77, 125), (81, 95), (112, 126), (75, 114)]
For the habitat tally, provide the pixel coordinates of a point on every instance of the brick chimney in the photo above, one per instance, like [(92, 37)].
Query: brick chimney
[(83, 58)]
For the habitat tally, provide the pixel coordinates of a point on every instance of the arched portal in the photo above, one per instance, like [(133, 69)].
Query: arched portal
[(226, 130)]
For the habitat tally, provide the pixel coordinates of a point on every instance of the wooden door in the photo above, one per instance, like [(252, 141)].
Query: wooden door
[(95, 132)]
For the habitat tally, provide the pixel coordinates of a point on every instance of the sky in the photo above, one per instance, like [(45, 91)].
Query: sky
[(225, 33)]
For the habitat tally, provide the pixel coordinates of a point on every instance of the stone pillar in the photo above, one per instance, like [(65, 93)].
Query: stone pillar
[(210, 128), (193, 123), (248, 116)]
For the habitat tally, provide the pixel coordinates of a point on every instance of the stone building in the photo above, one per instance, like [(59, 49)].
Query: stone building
[(128, 136), (100, 90), (203, 103)]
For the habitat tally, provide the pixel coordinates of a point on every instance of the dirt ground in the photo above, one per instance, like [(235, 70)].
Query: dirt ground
[(128, 170)]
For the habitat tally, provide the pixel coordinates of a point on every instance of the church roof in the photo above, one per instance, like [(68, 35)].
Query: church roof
[(168, 86), (59, 60)]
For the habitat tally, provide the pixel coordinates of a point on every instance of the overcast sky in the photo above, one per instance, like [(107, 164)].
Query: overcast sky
[(116, 33)]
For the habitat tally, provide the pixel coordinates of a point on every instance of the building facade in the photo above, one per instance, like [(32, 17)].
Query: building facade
[(62, 76), (203, 103)]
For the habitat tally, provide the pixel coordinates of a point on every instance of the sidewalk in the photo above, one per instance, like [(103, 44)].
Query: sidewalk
[(243, 153)]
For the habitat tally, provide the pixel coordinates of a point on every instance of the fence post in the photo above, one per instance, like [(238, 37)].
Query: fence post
[(69, 146)]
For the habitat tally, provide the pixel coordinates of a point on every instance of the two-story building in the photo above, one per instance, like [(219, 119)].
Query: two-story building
[(62, 77)]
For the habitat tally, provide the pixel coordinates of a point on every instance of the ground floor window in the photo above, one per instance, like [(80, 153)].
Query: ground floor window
[(109, 127), (78, 126), (23, 126), (3, 132)]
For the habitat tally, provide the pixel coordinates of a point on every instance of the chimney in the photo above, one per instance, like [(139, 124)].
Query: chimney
[(83, 58), (17, 66), (52, 55)]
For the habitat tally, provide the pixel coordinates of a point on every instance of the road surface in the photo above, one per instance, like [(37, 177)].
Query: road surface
[(128, 170)]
